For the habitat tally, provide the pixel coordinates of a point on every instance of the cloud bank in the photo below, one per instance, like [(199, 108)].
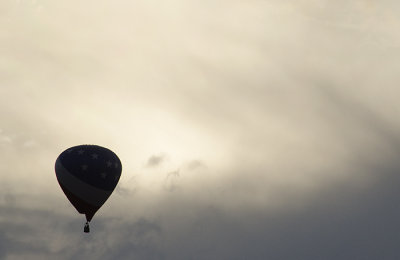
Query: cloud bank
[(257, 130)]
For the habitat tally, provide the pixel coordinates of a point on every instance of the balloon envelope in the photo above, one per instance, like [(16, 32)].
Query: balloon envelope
[(88, 174)]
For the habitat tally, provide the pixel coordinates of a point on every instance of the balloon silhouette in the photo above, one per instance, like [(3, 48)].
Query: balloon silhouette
[(88, 174)]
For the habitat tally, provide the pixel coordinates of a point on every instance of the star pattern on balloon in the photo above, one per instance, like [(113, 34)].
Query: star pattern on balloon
[(96, 168)]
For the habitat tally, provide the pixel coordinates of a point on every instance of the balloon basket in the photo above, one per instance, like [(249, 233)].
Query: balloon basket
[(86, 229)]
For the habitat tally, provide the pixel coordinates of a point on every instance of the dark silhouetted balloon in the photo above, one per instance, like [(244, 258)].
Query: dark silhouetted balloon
[(88, 174)]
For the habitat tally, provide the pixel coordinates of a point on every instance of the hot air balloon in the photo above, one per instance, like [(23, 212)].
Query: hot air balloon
[(88, 174)]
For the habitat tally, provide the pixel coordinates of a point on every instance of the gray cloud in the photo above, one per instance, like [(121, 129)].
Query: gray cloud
[(156, 160), (195, 165), (340, 222), (171, 180), (45, 234)]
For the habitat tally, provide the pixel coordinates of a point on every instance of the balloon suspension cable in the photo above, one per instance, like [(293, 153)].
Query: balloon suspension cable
[(86, 229)]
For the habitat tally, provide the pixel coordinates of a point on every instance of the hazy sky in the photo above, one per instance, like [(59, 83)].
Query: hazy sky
[(246, 129)]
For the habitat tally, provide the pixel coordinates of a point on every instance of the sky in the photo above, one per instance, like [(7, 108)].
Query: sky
[(246, 129)]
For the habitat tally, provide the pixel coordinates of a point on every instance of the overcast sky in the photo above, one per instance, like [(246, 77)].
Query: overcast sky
[(246, 129)]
